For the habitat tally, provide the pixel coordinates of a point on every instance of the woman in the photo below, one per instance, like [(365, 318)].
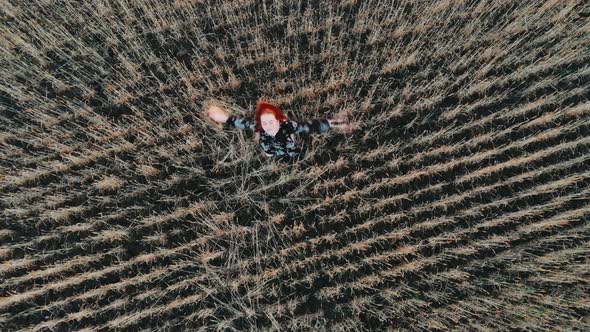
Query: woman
[(275, 132)]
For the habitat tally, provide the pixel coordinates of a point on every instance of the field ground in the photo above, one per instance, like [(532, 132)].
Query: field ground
[(460, 202)]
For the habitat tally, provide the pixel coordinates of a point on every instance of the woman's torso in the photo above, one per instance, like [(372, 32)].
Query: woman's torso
[(282, 143)]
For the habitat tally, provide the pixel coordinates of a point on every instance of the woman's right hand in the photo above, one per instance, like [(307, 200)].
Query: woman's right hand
[(217, 114)]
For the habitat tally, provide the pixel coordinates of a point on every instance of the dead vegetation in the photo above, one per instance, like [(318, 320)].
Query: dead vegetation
[(461, 199)]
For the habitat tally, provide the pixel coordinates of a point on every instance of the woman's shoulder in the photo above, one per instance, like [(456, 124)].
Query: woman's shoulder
[(288, 124)]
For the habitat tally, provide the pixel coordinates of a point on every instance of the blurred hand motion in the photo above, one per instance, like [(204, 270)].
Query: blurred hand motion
[(217, 114)]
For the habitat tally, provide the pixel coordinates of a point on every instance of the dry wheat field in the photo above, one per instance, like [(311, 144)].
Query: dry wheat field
[(461, 201)]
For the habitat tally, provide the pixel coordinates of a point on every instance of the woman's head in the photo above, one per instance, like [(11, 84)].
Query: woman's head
[(268, 117)]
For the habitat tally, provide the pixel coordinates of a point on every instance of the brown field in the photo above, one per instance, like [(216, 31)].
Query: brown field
[(461, 201)]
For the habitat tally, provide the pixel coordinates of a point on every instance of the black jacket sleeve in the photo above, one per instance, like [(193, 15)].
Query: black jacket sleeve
[(313, 126), (240, 123)]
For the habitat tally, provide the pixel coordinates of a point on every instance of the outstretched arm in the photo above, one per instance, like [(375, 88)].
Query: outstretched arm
[(240, 123), (219, 115), (313, 126), (321, 126)]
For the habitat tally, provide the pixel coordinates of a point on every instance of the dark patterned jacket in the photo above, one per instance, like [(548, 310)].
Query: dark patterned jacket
[(282, 144)]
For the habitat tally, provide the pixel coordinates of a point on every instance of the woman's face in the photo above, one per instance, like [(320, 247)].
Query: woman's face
[(269, 123)]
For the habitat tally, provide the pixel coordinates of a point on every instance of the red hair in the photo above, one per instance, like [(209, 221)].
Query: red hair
[(264, 107)]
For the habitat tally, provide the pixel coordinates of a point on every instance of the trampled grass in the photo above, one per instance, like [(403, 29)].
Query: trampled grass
[(459, 202)]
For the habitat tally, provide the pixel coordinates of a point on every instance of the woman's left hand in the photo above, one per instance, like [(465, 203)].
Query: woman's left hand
[(340, 124)]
